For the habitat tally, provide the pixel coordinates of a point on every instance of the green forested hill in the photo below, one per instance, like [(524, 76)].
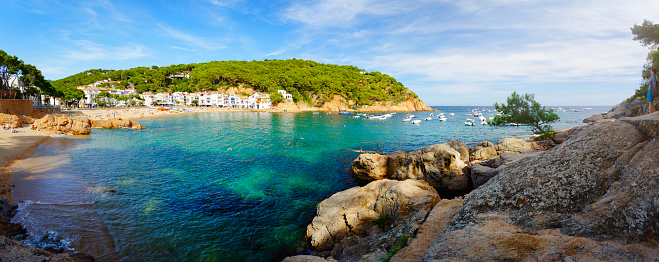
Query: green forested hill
[(302, 78)]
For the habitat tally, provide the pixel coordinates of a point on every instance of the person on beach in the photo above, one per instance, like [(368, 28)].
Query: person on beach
[(652, 83)]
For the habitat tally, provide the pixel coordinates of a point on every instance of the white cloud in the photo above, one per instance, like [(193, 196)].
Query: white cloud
[(471, 47), (194, 41), (88, 51)]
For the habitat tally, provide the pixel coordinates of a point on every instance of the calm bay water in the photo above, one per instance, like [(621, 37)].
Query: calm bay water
[(226, 186)]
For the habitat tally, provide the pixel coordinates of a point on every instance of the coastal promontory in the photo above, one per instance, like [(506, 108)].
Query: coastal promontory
[(593, 197), (311, 84)]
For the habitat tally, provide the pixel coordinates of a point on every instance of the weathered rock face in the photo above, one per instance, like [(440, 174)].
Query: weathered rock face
[(116, 123), (483, 151), (11, 250), (439, 165), (515, 145), (64, 125), (494, 238), (344, 226), (600, 184), (370, 166), (636, 108), (483, 172), (13, 121)]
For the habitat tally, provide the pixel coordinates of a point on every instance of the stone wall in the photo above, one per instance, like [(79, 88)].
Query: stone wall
[(16, 106), (49, 110)]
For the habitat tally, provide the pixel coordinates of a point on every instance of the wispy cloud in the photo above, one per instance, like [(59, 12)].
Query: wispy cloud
[(194, 41), (464, 47), (87, 50)]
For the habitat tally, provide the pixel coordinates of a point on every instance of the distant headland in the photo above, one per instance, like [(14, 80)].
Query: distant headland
[(308, 84)]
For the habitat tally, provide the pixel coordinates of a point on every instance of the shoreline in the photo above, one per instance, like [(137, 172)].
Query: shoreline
[(16, 148)]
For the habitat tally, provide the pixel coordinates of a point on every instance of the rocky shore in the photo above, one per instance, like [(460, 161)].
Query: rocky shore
[(592, 197)]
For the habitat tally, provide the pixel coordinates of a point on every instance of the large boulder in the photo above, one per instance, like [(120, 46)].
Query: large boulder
[(601, 184), (116, 123), (462, 149), (13, 121), (64, 125), (370, 166), (364, 220), (440, 165), (482, 151), (515, 145), (594, 197)]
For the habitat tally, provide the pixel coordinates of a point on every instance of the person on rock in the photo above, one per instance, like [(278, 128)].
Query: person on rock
[(652, 83)]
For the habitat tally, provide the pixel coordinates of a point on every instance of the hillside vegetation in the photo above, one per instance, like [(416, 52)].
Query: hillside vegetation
[(308, 81)]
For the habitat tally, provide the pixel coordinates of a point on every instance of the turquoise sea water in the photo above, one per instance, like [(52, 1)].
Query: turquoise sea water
[(226, 186)]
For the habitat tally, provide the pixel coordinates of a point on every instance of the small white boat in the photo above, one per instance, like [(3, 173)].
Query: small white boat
[(442, 118), (431, 114), (377, 117), (355, 116), (483, 122), (416, 121), (469, 122), (315, 113), (407, 119), (451, 114), (428, 118), (482, 118)]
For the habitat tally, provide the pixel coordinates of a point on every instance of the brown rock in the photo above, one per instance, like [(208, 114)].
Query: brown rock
[(306, 258), (344, 222), (601, 184), (483, 151), (370, 166), (116, 123), (64, 125), (515, 145), (13, 121), (432, 229), (493, 238)]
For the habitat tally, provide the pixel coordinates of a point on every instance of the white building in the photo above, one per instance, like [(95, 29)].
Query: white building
[(259, 101), (284, 94), (148, 98)]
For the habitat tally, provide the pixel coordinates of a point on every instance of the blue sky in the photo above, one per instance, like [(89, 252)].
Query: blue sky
[(448, 52)]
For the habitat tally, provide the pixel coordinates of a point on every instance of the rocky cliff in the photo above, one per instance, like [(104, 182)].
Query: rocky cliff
[(339, 103), (594, 197)]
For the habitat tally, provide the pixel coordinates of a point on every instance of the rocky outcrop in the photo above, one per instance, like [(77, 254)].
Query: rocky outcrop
[(64, 125), (625, 109), (116, 123), (447, 167), (495, 238), (486, 170), (592, 197), (12, 250), (363, 221), (515, 145), (483, 151), (439, 165), (13, 121), (370, 166)]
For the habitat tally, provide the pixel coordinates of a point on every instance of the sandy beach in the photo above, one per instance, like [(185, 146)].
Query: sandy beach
[(16, 147)]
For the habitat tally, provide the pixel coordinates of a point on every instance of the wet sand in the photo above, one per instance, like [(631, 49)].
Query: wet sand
[(54, 201), (14, 148)]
